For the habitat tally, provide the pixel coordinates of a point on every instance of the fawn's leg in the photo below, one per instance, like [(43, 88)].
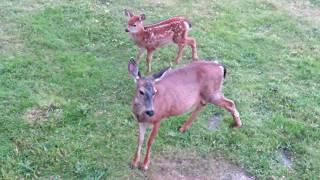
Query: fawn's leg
[(153, 134), (192, 43), (140, 53), (149, 59), (136, 158), (180, 51), (229, 105), (188, 122)]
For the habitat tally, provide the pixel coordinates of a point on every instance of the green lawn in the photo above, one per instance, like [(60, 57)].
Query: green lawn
[(65, 92)]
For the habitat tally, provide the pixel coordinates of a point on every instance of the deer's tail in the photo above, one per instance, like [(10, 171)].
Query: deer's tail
[(188, 23), (224, 71)]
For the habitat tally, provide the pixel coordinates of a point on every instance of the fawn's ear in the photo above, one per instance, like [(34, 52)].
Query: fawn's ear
[(159, 75), (128, 13), (142, 17), (133, 69)]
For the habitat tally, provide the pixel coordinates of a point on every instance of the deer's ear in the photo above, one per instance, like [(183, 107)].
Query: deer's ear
[(159, 75), (133, 69), (128, 13), (142, 17)]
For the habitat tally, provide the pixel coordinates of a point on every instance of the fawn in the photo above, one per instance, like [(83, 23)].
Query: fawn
[(173, 30), (174, 92)]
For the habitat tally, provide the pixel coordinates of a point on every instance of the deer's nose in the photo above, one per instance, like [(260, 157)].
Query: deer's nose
[(127, 30), (150, 113)]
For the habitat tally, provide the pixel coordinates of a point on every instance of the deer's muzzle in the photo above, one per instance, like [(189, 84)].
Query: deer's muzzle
[(150, 113)]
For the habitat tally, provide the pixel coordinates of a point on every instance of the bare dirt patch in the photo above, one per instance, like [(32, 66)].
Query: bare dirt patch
[(285, 157), (192, 166), (214, 121)]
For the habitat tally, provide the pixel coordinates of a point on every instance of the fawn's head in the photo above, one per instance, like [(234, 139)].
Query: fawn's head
[(145, 88), (135, 23)]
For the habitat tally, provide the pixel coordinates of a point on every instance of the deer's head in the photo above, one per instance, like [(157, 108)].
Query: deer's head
[(135, 23), (145, 88)]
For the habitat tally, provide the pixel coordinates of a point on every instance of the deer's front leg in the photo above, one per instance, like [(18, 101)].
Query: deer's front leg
[(153, 134), (136, 158), (186, 124), (140, 53)]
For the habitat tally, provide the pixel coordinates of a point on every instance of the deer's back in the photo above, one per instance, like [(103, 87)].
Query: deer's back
[(165, 22), (184, 87), (198, 73)]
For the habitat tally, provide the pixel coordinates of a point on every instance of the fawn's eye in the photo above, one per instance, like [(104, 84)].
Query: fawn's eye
[(141, 92), (134, 25)]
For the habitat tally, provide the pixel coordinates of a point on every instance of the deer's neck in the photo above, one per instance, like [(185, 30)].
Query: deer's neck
[(139, 36)]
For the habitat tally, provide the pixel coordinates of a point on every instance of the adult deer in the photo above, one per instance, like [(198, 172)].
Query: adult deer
[(173, 30), (174, 92)]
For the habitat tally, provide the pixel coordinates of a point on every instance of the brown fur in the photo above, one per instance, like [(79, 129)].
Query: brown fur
[(151, 37), (176, 92)]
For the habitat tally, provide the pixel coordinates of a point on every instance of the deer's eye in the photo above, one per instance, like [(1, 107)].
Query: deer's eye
[(141, 92), (134, 25)]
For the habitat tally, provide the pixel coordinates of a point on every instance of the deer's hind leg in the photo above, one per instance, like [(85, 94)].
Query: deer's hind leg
[(180, 51), (219, 100), (192, 43)]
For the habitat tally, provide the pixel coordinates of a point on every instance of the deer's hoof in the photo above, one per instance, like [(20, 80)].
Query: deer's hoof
[(133, 165), (236, 125), (143, 167), (182, 130)]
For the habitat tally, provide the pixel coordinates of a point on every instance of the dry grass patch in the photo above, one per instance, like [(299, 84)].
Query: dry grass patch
[(38, 114), (10, 44), (163, 3), (303, 9)]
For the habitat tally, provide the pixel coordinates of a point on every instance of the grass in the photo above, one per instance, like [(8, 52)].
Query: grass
[(63, 66)]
